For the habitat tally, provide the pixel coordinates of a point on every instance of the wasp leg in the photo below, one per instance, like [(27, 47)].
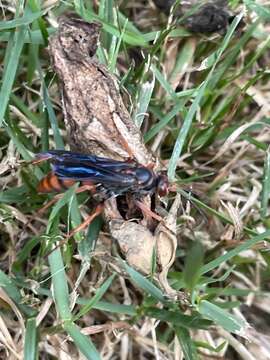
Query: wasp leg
[(59, 196), (148, 211), (40, 159), (88, 220)]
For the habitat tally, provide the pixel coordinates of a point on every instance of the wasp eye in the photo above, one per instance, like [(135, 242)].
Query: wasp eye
[(162, 185)]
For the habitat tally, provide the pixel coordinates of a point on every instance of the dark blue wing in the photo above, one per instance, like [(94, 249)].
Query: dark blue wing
[(62, 156), (82, 172), (69, 165)]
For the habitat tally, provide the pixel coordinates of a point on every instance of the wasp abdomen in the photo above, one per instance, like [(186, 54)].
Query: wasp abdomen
[(52, 183)]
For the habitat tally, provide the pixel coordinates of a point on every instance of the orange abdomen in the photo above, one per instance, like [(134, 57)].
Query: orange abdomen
[(52, 183)]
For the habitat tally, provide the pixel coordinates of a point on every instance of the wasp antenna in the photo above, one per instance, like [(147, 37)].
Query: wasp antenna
[(40, 157), (23, 163)]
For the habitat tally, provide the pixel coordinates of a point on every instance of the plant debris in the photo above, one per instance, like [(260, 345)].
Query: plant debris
[(98, 123), (95, 117)]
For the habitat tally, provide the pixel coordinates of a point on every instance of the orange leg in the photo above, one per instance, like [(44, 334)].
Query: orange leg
[(59, 196), (145, 210), (38, 160), (87, 221), (148, 211)]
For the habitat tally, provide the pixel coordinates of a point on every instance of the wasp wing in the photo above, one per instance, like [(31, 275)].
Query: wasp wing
[(63, 156), (80, 167)]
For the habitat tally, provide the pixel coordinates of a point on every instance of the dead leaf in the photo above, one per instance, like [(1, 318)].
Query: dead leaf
[(166, 241), (96, 119)]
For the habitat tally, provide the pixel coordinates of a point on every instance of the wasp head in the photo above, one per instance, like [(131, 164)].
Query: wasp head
[(162, 185)]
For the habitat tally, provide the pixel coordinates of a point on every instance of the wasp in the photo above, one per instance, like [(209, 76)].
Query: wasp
[(107, 177)]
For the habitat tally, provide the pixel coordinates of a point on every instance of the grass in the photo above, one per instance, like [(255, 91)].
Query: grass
[(202, 103)]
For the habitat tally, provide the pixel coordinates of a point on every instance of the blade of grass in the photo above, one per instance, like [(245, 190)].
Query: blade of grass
[(87, 245), (230, 254), (11, 69), (30, 340), (155, 129), (144, 97), (144, 284), (33, 36), (20, 147), (213, 211), (266, 185), (49, 108), (262, 11), (83, 342), (222, 317), (196, 103), (92, 302), (115, 48), (187, 344), (27, 19), (163, 82), (194, 321), (60, 285), (16, 195), (116, 308), (132, 38), (52, 117), (13, 292), (68, 195), (34, 118), (193, 264)]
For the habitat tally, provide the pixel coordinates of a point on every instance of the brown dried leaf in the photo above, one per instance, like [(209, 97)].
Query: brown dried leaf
[(98, 122), (95, 116), (166, 245), (138, 244)]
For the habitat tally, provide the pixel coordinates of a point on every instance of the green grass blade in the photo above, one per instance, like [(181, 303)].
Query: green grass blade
[(115, 49), (262, 11), (213, 60), (177, 318), (52, 117), (187, 344), (10, 70), (83, 342), (144, 97), (144, 284), (30, 340), (116, 308), (92, 302), (33, 36), (266, 185), (214, 212), (163, 82), (193, 264), (60, 285), (68, 195), (155, 129), (87, 245), (230, 254), (13, 292), (222, 317), (129, 37), (27, 19), (109, 307)]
